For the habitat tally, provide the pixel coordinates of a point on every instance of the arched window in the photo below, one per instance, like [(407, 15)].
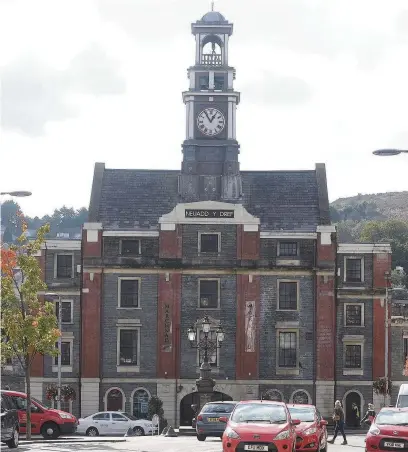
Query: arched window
[(114, 400), (140, 403), (301, 397), (273, 394)]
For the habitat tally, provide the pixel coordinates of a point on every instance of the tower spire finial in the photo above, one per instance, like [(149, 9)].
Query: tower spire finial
[(212, 5)]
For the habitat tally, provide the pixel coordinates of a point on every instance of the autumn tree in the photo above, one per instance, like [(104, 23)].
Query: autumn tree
[(28, 325)]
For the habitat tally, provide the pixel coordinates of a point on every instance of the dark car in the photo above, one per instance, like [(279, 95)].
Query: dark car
[(10, 427), (208, 423)]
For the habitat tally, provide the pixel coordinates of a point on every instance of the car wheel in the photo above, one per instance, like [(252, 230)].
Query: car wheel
[(13, 442), (138, 431), (92, 431), (201, 437), (50, 430)]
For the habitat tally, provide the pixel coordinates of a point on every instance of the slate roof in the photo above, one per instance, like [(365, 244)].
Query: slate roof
[(135, 199)]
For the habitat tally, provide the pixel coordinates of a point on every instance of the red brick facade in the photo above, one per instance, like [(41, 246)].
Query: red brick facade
[(248, 244), (170, 244)]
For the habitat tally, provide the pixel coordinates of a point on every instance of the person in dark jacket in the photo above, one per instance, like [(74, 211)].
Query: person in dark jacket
[(338, 417), (370, 415), (356, 415)]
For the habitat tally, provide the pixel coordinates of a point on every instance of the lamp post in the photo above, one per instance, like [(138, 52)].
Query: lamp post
[(389, 152), (205, 384), (56, 297)]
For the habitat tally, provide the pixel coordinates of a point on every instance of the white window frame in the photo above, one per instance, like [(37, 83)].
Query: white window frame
[(56, 265), (130, 278), (130, 239), (199, 293), (200, 234), (72, 310), (347, 258), (278, 308), (345, 312), (353, 340), (287, 370), (121, 367), (54, 405), (66, 337), (295, 256), (213, 328)]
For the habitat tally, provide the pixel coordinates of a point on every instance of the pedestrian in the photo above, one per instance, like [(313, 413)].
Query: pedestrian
[(369, 416), (355, 415), (338, 418)]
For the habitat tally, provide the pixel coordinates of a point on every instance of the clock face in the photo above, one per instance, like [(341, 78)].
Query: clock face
[(211, 122)]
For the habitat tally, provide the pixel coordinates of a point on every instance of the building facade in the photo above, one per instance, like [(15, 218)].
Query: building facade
[(303, 315)]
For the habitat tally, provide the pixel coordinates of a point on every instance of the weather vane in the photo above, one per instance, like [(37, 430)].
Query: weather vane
[(212, 5)]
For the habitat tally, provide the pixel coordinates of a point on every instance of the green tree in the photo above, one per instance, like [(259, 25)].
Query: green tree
[(10, 218), (156, 407), (394, 232), (28, 325)]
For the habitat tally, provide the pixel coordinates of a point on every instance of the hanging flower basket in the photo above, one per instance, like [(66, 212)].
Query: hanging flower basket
[(51, 392), (380, 386), (68, 393)]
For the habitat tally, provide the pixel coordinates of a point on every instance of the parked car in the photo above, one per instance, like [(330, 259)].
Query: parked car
[(10, 427), (311, 433), (208, 423), (261, 425), (48, 422), (402, 399), (113, 423), (389, 431)]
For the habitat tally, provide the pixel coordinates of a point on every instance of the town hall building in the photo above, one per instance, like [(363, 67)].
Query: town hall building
[(255, 251)]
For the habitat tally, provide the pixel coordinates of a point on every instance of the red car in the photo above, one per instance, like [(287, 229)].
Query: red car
[(259, 425), (389, 431), (311, 433), (48, 422)]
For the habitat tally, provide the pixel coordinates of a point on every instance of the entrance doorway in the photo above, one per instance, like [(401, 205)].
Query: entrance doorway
[(352, 397), (187, 413), (114, 400)]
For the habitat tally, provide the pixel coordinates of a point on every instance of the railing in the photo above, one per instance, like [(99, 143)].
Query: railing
[(211, 59)]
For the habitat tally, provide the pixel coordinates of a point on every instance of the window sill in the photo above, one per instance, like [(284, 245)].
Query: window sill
[(359, 372), (283, 371), (287, 310), (208, 309), (214, 370), (66, 369), (127, 368), (354, 326), (288, 261), (134, 309), (67, 323)]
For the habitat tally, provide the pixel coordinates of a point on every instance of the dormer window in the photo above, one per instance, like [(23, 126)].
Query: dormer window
[(288, 249), (209, 243), (130, 247), (354, 269)]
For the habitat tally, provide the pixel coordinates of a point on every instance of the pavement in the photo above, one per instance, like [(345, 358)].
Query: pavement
[(160, 444)]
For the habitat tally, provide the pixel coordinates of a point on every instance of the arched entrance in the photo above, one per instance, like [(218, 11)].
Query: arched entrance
[(114, 400), (187, 413), (352, 397)]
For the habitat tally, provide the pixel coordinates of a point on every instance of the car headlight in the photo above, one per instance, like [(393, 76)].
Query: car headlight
[(231, 433), (283, 435), (374, 430), (310, 431), (65, 416)]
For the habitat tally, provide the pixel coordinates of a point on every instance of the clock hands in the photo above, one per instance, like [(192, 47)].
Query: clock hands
[(206, 114)]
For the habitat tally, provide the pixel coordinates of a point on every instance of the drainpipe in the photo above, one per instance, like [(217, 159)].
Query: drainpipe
[(335, 281), (314, 395), (177, 363), (81, 285), (102, 408)]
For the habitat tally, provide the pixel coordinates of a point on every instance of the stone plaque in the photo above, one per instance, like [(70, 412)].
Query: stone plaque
[(206, 213), (167, 338), (250, 327)]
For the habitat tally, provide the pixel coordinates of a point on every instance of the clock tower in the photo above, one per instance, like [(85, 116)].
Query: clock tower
[(210, 167)]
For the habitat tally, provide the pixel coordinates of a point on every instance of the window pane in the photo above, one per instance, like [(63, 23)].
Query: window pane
[(288, 349), (353, 270), (66, 311), (130, 247), (204, 82), (288, 248), (64, 266), (128, 347), (140, 404), (118, 417), (101, 416), (209, 243), (353, 356), (353, 315), (288, 295), (219, 82), (65, 354), (212, 354), (208, 293), (129, 293)]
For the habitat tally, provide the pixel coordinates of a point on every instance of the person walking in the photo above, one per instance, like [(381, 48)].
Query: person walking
[(369, 416), (356, 415), (338, 417)]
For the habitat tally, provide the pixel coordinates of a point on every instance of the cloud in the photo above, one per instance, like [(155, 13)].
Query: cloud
[(34, 94), (278, 90)]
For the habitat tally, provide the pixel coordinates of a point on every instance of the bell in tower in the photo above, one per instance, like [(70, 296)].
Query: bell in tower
[(210, 168)]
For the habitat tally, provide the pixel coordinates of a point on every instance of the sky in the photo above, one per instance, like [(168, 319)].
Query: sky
[(87, 81)]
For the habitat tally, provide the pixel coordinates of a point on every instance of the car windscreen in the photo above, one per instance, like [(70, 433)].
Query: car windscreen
[(218, 408), (402, 401), (304, 414), (388, 417), (259, 412)]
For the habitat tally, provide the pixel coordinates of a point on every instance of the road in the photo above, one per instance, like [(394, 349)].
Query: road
[(162, 444)]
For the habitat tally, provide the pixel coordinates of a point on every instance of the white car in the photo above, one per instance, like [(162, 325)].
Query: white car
[(113, 423)]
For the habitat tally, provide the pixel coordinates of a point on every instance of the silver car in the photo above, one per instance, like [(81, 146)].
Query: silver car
[(208, 424)]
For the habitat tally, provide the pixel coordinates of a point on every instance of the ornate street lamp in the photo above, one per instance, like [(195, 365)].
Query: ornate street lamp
[(205, 384)]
